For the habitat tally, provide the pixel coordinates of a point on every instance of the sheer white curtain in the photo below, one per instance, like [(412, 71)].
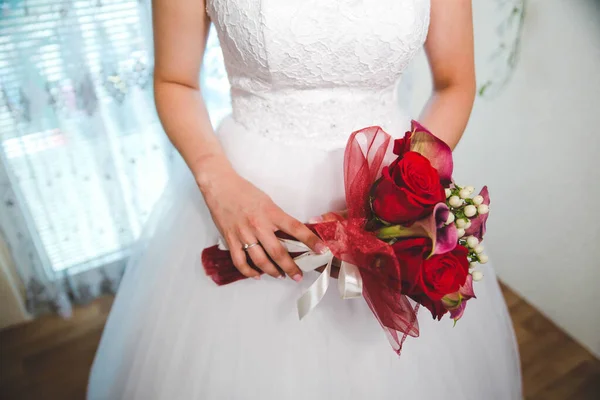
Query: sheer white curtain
[(83, 158)]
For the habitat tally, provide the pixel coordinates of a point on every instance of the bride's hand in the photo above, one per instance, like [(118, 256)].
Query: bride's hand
[(245, 215)]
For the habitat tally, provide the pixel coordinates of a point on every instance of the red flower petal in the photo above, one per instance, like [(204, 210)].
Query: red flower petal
[(478, 224), (439, 153)]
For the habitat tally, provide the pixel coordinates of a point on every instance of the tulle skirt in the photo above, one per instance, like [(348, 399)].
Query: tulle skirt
[(173, 334)]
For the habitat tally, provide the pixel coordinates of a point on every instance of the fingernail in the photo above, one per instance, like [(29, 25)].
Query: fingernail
[(315, 220), (297, 277), (257, 277), (321, 248)]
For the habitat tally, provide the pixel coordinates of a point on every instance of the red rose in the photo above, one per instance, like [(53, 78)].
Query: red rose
[(408, 190), (411, 254), (426, 281), (443, 274)]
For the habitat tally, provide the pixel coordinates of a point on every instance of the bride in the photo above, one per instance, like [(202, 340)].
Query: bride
[(304, 74)]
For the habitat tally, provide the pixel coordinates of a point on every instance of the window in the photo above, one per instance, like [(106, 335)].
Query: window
[(81, 143)]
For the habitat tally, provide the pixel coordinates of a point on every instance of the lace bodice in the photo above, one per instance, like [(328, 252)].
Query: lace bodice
[(314, 69)]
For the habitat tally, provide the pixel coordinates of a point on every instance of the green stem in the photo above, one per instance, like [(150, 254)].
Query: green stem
[(398, 231)]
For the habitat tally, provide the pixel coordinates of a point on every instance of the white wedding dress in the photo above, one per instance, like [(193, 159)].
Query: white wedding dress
[(304, 75)]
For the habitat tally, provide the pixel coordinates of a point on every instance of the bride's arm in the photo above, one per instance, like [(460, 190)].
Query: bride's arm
[(180, 35), (449, 49), (242, 213)]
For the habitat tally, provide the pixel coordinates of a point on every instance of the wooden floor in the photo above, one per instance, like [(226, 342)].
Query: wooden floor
[(50, 358)]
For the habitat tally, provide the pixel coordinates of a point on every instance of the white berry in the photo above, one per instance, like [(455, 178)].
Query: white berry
[(464, 193), (455, 201), (461, 232), (450, 219), (472, 241), (470, 211), (448, 192), (461, 223), (472, 264), (477, 275), (478, 249), (483, 258), (477, 200), (483, 209), (470, 189), (468, 225)]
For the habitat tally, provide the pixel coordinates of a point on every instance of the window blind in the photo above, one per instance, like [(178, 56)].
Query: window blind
[(78, 130), (55, 44), (78, 127)]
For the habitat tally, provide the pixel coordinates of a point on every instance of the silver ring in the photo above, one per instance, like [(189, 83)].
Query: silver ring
[(246, 246)]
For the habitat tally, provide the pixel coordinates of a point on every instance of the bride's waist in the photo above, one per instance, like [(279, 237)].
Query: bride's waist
[(322, 118)]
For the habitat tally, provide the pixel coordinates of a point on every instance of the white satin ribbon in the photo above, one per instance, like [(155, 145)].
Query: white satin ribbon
[(349, 279), (350, 283)]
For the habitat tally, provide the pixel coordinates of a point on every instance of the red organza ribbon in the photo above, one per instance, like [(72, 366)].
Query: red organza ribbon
[(350, 242)]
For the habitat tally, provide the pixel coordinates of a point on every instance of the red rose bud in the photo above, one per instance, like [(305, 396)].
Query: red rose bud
[(402, 146), (408, 190)]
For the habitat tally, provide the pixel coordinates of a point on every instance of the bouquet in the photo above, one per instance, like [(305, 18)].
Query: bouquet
[(409, 232)]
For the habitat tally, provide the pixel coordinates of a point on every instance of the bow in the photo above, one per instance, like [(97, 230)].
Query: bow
[(367, 262), (349, 280)]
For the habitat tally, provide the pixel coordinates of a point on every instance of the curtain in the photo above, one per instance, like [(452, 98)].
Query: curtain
[(83, 158), (13, 307)]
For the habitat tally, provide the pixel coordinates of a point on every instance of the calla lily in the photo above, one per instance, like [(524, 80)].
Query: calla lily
[(452, 301), (477, 227), (443, 237), (458, 312), (439, 153), (456, 303), (466, 290)]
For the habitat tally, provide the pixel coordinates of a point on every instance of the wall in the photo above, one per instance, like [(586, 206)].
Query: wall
[(537, 145)]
